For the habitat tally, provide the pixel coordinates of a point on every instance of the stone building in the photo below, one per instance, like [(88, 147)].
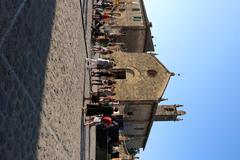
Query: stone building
[(133, 23), (168, 113), (146, 77), (140, 93), (142, 69)]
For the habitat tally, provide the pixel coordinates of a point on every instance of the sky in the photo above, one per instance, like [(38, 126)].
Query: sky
[(200, 39)]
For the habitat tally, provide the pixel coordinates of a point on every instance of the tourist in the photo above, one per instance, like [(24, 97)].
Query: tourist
[(112, 88), (98, 120), (103, 74), (94, 98), (105, 93), (101, 97), (103, 82), (97, 25), (98, 63), (109, 100), (105, 65), (94, 121), (101, 50)]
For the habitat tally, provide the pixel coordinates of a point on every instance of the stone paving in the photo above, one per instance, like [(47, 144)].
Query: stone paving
[(42, 71)]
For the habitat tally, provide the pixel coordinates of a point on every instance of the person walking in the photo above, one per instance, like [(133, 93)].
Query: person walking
[(101, 119), (98, 63), (112, 88), (103, 82), (105, 93), (103, 74)]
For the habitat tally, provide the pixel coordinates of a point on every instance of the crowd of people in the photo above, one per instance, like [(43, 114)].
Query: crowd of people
[(103, 104), (104, 39), (103, 107)]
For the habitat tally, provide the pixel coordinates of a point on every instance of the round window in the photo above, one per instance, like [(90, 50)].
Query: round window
[(152, 73)]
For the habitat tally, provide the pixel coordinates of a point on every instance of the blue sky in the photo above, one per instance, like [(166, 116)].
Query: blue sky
[(201, 40)]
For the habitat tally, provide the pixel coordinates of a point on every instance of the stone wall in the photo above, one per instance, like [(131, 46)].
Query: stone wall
[(127, 16), (41, 79), (139, 112), (139, 85), (134, 40)]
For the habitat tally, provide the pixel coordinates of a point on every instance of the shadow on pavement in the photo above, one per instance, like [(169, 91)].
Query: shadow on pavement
[(25, 35)]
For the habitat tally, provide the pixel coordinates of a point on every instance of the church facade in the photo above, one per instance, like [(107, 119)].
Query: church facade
[(140, 93)]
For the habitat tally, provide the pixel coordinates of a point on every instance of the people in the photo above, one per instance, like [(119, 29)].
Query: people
[(103, 82), (102, 106), (99, 63), (101, 102), (104, 120)]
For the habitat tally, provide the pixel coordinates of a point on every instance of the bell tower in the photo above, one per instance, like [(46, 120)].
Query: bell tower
[(168, 113)]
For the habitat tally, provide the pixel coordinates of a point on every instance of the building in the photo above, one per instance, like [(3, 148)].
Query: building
[(146, 79), (133, 23), (140, 93)]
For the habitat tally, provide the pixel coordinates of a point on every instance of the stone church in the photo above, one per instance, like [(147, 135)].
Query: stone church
[(140, 93), (146, 77)]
